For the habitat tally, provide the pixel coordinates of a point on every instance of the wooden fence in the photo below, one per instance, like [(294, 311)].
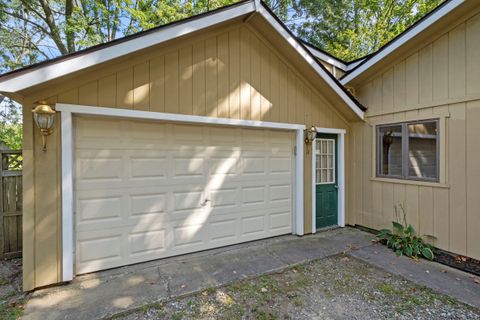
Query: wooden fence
[(11, 204)]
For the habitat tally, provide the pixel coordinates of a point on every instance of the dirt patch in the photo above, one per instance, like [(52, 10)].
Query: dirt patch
[(11, 296), (339, 287)]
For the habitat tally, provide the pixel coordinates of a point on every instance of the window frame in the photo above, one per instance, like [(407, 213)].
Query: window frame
[(405, 151)]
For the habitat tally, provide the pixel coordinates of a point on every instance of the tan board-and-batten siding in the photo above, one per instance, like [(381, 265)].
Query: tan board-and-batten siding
[(229, 72), (439, 80)]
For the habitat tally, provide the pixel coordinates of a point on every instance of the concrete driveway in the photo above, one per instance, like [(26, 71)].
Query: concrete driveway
[(106, 293)]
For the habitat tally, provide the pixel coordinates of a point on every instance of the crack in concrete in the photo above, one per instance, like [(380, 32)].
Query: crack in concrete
[(166, 280)]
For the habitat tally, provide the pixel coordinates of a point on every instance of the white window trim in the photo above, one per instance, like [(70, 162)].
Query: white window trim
[(341, 175), (67, 110)]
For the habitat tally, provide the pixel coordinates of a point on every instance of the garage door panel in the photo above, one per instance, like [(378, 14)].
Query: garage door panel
[(223, 230), (253, 224), (147, 204), (189, 166), (103, 248), (100, 168), (224, 163), (254, 195), (148, 167), (224, 198), (189, 235), (280, 165), (141, 189), (280, 220), (105, 208), (151, 241)]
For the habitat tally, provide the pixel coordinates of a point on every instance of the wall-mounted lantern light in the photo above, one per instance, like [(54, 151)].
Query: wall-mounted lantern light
[(310, 135), (44, 117)]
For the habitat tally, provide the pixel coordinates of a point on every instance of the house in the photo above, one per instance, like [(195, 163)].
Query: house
[(197, 135)]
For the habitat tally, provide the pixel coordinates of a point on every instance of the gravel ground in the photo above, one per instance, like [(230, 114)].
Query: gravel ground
[(339, 287), (11, 295)]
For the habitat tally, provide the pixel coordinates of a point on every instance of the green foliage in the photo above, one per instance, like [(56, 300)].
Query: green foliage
[(350, 29), (403, 239), (11, 130)]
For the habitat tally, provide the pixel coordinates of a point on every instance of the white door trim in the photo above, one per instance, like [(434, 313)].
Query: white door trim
[(67, 162), (341, 175)]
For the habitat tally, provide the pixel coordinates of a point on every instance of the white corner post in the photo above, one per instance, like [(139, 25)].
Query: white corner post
[(67, 195), (299, 196), (340, 133)]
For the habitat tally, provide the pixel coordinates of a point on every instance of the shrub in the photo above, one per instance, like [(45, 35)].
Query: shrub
[(403, 239)]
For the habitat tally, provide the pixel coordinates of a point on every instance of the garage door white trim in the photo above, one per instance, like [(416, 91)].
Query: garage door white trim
[(67, 162)]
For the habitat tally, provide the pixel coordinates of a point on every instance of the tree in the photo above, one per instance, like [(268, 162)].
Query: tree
[(350, 29), (11, 133), (36, 30)]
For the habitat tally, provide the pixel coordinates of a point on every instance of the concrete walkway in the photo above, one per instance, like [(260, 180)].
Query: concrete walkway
[(106, 293)]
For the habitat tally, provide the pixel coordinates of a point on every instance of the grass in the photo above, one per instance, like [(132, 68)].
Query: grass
[(10, 313), (3, 281), (8, 310)]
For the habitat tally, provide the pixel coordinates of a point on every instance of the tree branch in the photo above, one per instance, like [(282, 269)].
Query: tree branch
[(50, 21)]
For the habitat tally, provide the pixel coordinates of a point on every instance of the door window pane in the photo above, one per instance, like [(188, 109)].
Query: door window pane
[(325, 161), (390, 149), (422, 150)]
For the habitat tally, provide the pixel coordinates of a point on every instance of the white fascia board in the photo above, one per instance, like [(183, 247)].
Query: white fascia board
[(403, 39), (322, 56), (83, 61), (306, 56), (352, 65)]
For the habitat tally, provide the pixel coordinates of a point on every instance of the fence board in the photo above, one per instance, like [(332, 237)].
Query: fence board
[(11, 203)]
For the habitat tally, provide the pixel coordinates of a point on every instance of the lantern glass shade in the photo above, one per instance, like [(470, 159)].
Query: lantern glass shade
[(44, 121), (44, 117), (312, 133)]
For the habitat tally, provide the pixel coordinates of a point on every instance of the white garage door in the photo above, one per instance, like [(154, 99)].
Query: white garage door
[(147, 190)]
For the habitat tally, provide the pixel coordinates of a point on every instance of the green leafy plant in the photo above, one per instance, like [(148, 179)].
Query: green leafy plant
[(403, 239)]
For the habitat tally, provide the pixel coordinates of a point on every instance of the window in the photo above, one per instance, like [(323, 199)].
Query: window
[(325, 161), (408, 150)]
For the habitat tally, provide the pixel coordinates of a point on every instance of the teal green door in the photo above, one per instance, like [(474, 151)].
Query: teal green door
[(326, 180)]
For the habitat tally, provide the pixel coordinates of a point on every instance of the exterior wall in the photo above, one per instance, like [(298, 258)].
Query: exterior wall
[(439, 80), (231, 72)]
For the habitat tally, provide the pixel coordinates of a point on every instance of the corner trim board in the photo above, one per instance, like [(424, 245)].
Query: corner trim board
[(67, 112), (67, 195)]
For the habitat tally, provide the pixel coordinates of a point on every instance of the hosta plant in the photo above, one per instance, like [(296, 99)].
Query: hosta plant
[(403, 239)]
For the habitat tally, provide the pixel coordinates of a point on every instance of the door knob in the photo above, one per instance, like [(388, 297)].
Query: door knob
[(336, 187)]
